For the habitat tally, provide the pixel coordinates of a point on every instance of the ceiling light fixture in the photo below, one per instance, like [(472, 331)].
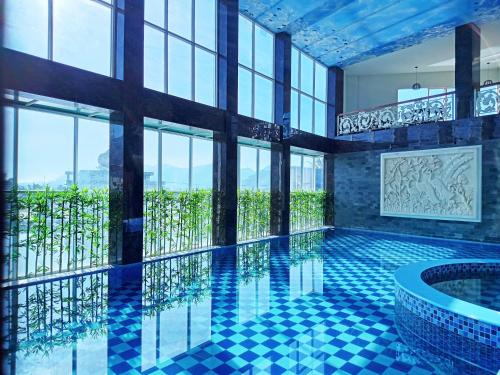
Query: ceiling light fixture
[(488, 81), (416, 85)]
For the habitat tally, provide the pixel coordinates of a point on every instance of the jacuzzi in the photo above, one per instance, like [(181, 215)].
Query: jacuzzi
[(447, 311)]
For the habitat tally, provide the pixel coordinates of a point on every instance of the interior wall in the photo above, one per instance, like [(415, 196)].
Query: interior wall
[(367, 91)]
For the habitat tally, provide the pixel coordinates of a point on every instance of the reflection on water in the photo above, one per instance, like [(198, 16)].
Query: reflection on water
[(110, 321), (314, 302), (480, 289)]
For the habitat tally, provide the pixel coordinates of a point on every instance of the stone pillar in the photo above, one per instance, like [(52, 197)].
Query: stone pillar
[(225, 161), (335, 99), (126, 164), (467, 68), (280, 152), (329, 189)]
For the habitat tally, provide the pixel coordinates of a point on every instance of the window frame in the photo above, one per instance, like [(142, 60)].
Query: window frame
[(254, 72), (299, 92), (314, 168), (257, 165), (193, 45), (191, 137), (74, 140), (115, 10)]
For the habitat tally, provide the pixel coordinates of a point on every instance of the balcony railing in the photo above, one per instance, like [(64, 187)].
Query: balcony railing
[(433, 108), (487, 100)]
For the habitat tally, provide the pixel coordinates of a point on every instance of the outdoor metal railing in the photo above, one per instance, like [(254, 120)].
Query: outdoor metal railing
[(433, 108)]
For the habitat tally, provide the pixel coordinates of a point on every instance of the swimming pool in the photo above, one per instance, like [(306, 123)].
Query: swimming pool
[(320, 302)]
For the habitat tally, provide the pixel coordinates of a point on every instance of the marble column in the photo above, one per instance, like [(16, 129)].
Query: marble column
[(126, 164), (329, 189), (335, 99), (225, 145), (280, 152), (467, 68)]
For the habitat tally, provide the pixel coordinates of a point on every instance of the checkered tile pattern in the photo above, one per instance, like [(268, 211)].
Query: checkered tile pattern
[(333, 315)]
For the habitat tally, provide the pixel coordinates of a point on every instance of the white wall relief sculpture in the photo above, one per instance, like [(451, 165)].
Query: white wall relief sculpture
[(441, 184)]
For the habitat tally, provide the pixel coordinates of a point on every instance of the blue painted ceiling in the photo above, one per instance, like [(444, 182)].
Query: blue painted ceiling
[(344, 32)]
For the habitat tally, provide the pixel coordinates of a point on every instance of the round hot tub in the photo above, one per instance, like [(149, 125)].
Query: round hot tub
[(448, 312)]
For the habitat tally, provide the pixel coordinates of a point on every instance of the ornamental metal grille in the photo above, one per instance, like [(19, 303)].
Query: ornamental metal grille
[(416, 111), (487, 101)]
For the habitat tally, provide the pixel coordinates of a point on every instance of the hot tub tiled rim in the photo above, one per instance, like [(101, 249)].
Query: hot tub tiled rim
[(420, 298)]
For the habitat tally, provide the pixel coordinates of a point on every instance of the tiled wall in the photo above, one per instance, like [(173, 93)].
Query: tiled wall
[(357, 178)]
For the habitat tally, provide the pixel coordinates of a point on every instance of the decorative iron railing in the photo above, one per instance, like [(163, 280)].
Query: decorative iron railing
[(487, 100), (433, 108)]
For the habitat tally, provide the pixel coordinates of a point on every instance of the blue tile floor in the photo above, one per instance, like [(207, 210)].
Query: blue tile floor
[(316, 303)]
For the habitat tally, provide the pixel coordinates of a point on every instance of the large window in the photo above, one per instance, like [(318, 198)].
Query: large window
[(180, 48), (255, 70), (57, 201), (76, 32), (254, 198), (56, 150), (178, 192), (307, 196), (186, 161), (309, 90)]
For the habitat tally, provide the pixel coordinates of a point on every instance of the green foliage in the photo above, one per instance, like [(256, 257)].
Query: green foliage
[(57, 231), (176, 221), (254, 214), (307, 210)]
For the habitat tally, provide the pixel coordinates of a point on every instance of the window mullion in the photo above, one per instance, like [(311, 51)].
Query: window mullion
[(190, 183), (165, 49), (160, 157), (75, 150), (257, 161), (50, 46)]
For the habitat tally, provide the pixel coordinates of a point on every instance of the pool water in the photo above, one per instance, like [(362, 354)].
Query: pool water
[(317, 303), (480, 289)]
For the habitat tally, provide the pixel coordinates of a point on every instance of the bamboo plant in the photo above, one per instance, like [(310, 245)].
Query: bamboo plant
[(254, 214), (307, 210)]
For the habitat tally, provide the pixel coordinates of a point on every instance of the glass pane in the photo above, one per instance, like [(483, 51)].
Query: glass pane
[(244, 92), (93, 153), (295, 67), (264, 170), (319, 118), (179, 17), (204, 71), (294, 110), (175, 162), (306, 74), (320, 74), (205, 27), (150, 159), (8, 150), (154, 12), (264, 51), (45, 150), (248, 168), (263, 99), (202, 163), (319, 173), (179, 68), (308, 179), (295, 172), (154, 59), (245, 42), (306, 109), (82, 35), (26, 26)]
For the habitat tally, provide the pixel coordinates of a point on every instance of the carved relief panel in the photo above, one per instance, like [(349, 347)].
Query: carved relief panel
[(441, 184)]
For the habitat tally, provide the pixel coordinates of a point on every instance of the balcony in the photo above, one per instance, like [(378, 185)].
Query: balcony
[(435, 108)]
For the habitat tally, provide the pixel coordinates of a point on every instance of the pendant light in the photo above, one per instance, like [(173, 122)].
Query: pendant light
[(488, 81), (416, 85)]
